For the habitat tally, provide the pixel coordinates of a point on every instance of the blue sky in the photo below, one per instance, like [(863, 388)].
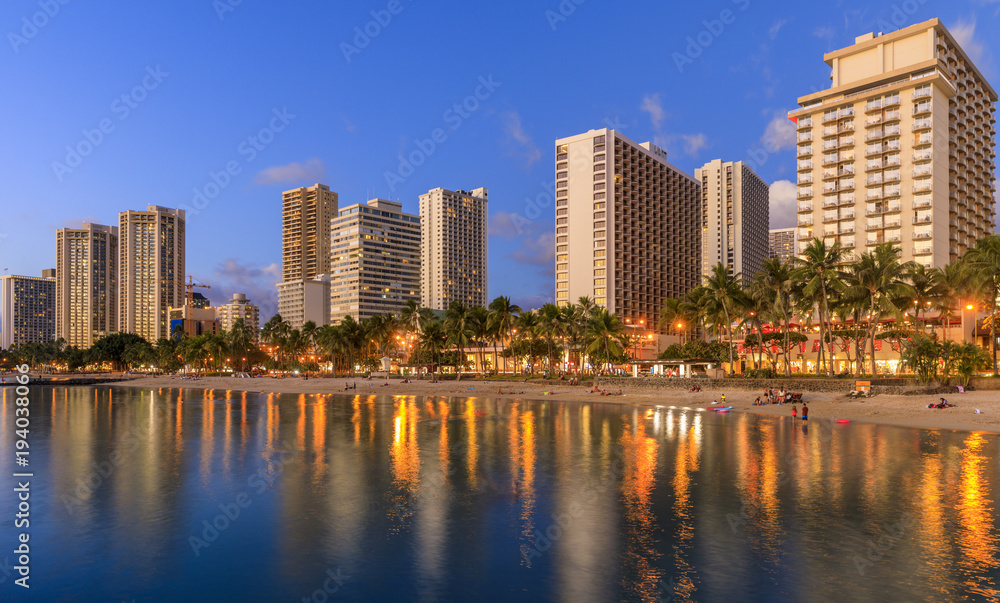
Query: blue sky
[(240, 100)]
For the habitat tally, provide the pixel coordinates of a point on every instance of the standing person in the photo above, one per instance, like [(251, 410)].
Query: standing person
[(795, 412), (805, 412)]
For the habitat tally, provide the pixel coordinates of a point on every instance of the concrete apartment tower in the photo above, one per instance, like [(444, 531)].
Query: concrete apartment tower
[(239, 307), (900, 149), (304, 293), (375, 266), (782, 244), (86, 283), (735, 216), (305, 231), (29, 309), (628, 225), (454, 248), (150, 270)]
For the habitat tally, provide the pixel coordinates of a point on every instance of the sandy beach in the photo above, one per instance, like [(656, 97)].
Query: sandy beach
[(905, 411)]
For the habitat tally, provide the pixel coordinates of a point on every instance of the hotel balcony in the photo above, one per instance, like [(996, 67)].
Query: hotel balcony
[(921, 220), (923, 250)]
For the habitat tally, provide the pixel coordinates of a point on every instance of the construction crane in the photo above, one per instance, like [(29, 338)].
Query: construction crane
[(190, 285)]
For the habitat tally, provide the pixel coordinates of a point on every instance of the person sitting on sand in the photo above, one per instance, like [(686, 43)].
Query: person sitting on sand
[(723, 398)]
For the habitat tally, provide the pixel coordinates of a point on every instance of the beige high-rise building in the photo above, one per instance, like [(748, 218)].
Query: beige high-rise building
[(628, 225), (735, 215), (150, 270), (86, 283), (29, 309), (454, 248), (782, 244), (375, 266), (305, 235), (900, 149), (302, 300), (239, 307)]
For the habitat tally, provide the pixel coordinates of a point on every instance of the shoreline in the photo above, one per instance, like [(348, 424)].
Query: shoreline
[(900, 411)]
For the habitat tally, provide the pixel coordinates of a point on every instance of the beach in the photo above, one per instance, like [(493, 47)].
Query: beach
[(904, 411)]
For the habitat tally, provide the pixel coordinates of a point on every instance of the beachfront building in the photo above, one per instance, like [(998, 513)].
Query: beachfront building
[(28, 309), (305, 231), (900, 149), (454, 248), (734, 217), (86, 283), (375, 260), (150, 270), (239, 307), (781, 244), (302, 300), (628, 226)]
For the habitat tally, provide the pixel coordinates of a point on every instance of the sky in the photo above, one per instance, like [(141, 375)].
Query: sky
[(217, 106)]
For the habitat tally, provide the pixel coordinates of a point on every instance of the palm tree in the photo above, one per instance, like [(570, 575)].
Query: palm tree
[(606, 333), (504, 314), (479, 328), (953, 283), (240, 340), (724, 290), (927, 290), (674, 315), (773, 285), (526, 328), (550, 325), (983, 266), (819, 267), (457, 325), (880, 277), (433, 338)]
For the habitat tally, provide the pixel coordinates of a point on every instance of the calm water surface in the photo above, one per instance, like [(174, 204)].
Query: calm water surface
[(184, 495)]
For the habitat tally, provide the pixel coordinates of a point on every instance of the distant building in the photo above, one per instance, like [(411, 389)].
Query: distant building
[(150, 270), (454, 248), (239, 307), (86, 283), (375, 265), (305, 231), (193, 321), (628, 225), (29, 309), (900, 149), (198, 300), (303, 300), (782, 244), (734, 217)]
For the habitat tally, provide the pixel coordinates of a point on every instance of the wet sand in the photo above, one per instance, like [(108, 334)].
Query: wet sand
[(906, 411)]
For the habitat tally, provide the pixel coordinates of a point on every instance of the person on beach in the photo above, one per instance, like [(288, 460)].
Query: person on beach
[(795, 412), (723, 398), (805, 412)]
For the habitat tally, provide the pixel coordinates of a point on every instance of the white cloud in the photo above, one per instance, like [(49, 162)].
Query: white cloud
[(783, 204), (651, 104), (694, 143), (302, 174), (508, 225), (965, 35), (824, 33), (779, 134), (538, 250), (514, 130), (773, 31)]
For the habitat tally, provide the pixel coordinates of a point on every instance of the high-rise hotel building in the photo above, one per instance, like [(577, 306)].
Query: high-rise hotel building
[(29, 309), (900, 149), (454, 248), (86, 283), (375, 266), (628, 225), (305, 236), (150, 270), (735, 216), (782, 244)]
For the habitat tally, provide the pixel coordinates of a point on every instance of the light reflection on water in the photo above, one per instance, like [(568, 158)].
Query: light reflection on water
[(440, 499)]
